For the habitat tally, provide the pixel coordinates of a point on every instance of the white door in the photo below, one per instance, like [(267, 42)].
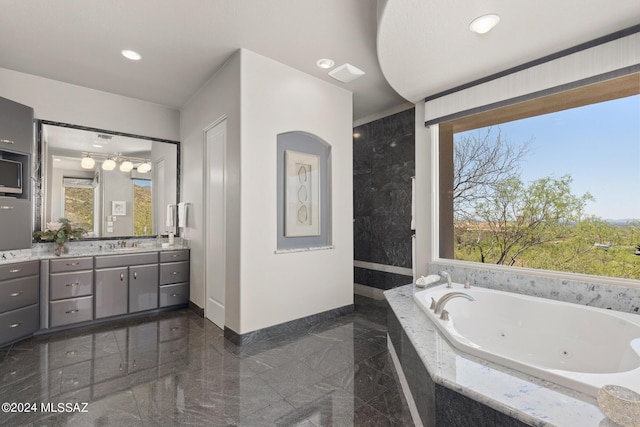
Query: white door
[(215, 203)]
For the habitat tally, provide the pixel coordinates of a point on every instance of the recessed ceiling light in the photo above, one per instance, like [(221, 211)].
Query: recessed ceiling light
[(484, 24), (325, 63), (131, 54), (97, 145)]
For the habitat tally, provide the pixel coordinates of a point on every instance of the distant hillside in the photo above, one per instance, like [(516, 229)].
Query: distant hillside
[(142, 212)]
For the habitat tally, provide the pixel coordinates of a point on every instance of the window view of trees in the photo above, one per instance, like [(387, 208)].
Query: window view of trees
[(78, 206), (142, 211), (531, 202)]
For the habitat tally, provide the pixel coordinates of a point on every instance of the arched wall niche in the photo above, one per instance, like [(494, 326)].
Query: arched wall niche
[(289, 146)]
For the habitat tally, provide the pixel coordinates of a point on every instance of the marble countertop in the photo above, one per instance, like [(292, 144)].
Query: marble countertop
[(521, 396), (79, 249)]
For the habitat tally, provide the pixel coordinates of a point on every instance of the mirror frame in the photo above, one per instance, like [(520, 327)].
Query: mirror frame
[(38, 172)]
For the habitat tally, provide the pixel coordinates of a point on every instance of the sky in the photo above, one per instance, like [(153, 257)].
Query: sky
[(598, 145)]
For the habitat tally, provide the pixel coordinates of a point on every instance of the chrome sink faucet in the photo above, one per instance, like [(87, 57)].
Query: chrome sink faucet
[(445, 275), (438, 307)]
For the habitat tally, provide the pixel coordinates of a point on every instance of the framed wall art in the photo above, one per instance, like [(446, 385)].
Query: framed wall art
[(119, 208), (302, 194)]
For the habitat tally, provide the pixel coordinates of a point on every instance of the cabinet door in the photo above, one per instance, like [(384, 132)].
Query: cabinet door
[(111, 291), (16, 126), (143, 287), (15, 223)]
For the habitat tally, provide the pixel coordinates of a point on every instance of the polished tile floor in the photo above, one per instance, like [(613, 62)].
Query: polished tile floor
[(176, 368)]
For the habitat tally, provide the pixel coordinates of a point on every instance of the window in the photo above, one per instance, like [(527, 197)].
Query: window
[(550, 184), (142, 208), (79, 202)]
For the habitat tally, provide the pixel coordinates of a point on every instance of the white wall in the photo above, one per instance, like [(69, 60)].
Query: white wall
[(219, 97), (283, 287), (262, 98), (67, 103)]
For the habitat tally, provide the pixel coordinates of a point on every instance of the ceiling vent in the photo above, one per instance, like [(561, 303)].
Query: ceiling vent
[(346, 73), (104, 136)]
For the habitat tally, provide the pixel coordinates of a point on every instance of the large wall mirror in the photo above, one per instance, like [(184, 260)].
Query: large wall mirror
[(112, 184)]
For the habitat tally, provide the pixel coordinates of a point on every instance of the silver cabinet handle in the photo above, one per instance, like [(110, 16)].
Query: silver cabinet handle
[(121, 277), (15, 294), (71, 311), (7, 141), (174, 273), (15, 270), (135, 274), (71, 264), (15, 325), (175, 295), (73, 284), (174, 256), (6, 208)]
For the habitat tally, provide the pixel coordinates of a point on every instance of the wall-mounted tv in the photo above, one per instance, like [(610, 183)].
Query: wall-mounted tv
[(10, 177)]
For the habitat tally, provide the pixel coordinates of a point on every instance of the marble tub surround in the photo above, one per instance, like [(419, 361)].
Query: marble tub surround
[(524, 398), (91, 248), (601, 295), (175, 368)]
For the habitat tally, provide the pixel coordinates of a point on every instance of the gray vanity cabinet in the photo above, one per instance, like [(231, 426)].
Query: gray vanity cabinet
[(174, 278), (15, 223), (124, 283), (143, 287), (70, 290), (19, 294), (112, 291), (16, 126)]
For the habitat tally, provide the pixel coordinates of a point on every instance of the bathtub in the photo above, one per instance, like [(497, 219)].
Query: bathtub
[(579, 347)]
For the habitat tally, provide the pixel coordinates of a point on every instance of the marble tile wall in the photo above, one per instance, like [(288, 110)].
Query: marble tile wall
[(383, 164), (591, 293)]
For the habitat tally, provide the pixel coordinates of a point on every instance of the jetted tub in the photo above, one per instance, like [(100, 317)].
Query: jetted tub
[(579, 347)]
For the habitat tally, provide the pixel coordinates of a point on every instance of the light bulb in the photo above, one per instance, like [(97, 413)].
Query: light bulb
[(109, 164), (87, 162), (144, 168), (126, 166)]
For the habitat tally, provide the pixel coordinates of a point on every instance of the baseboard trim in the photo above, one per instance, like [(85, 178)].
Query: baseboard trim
[(196, 309), (284, 328), (368, 291)]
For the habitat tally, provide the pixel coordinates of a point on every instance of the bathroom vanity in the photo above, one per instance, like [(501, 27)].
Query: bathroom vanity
[(47, 293)]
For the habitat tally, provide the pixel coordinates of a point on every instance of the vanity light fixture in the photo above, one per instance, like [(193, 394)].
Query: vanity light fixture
[(144, 168), (87, 162), (126, 166), (131, 54), (325, 63), (483, 24), (109, 164)]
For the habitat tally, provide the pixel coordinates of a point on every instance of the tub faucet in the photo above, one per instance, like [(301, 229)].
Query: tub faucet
[(447, 297), (445, 275)]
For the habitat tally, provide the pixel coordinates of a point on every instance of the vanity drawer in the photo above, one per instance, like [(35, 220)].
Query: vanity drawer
[(174, 294), (18, 293), (174, 272), (70, 264), (109, 261), (70, 285), (68, 311), (174, 256), (20, 269), (19, 323)]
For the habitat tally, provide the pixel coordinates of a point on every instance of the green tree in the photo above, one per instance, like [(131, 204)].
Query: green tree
[(519, 217)]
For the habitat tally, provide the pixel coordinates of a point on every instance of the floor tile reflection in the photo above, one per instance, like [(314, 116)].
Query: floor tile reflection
[(175, 368)]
